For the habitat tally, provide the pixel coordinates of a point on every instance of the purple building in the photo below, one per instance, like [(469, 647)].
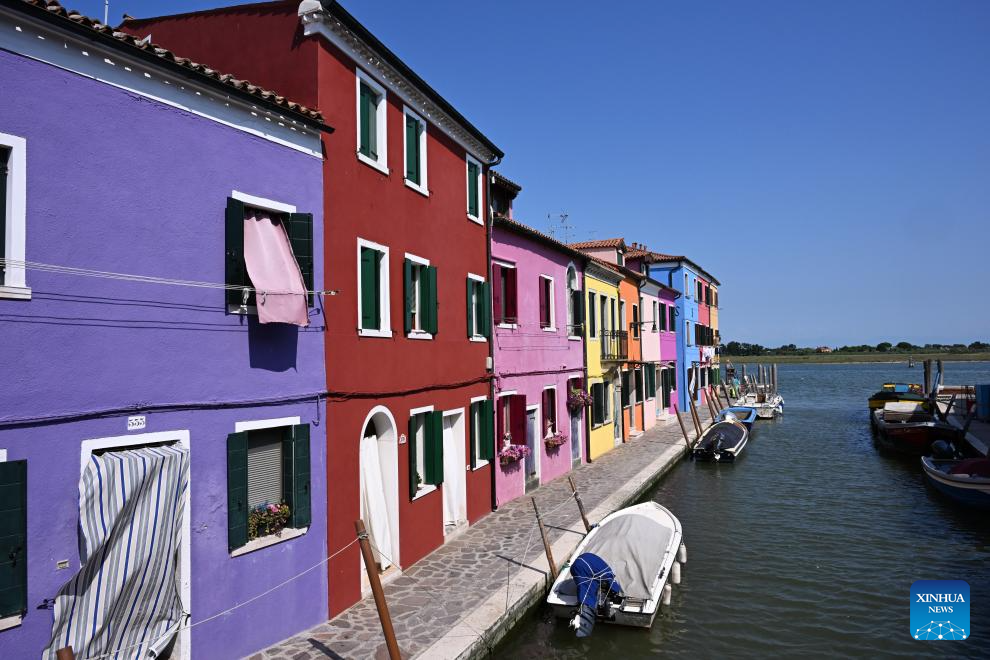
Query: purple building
[(537, 299), (163, 365)]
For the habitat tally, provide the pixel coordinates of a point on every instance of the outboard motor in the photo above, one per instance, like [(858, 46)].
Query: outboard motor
[(598, 591), (943, 449)]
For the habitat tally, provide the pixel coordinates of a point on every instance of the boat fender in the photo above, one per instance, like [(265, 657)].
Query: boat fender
[(667, 591), (675, 572), (682, 554)]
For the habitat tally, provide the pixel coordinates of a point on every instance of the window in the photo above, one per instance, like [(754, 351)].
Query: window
[(425, 451), (549, 411), (373, 294), (504, 294), (414, 146), (626, 389), (671, 314), (371, 129), (13, 217), (420, 308), (656, 314), (638, 380), (666, 385), (267, 466), (635, 321), (700, 290), (603, 309), (479, 295), (622, 316), (687, 333), (546, 303), (273, 222), (663, 317), (592, 316), (599, 404), (575, 305), (620, 258), (687, 286), (651, 381), (474, 189), (482, 432), (13, 541)]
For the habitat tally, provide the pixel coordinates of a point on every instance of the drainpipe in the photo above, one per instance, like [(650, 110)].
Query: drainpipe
[(584, 357), (489, 220)]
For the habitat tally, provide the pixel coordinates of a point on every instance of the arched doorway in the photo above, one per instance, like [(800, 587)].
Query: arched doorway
[(379, 469)]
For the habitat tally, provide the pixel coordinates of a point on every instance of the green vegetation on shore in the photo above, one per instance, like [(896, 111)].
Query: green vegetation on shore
[(813, 358)]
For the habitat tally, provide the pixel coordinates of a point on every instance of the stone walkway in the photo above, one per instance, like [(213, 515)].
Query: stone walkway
[(437, 592)]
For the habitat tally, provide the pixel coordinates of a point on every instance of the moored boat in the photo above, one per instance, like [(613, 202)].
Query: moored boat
[(744, 414), (966, 481), (897, 392), (619, 573), (907, 428), (723, 441), (768, 406)]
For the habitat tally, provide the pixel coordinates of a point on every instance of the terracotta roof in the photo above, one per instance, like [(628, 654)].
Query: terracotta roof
[(603, 243), (625, 272), (53, 12), (658, 257), (518, 227), (506, 182)]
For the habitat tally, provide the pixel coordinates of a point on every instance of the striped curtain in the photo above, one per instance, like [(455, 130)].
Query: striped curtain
[(124, 601)]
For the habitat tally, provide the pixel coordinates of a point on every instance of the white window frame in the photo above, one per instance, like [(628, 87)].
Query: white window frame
[(556, 421), (381, 121), (288, 533), (553, 305), (468, 158), (687, 333), (421, 187), (180, 438), (592, 312), (478, 462), (687, 285), (418, 333), (424, 489), (507, 264), (646, 390), (622, 316), (475, 336), (14, 284), (385, 322)]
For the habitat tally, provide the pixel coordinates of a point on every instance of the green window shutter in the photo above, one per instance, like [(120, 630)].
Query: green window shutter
[(486, 310), (625, 389), (370, 289), (237, 490), (472, 291), (13, 538), (369, 122), (301, 238), (433, 454), (410, 293), (235, 271), (488, 426), (477, 435), (431, 299), (302, 507), (472, 185), (412, 150)]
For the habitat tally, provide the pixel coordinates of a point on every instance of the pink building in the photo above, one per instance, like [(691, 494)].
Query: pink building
[(537, 300)]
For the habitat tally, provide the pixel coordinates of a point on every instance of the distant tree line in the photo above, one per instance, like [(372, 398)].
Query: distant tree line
[(741, 348)]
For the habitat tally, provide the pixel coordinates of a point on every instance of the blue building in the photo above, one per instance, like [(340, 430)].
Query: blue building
[(697, 317)]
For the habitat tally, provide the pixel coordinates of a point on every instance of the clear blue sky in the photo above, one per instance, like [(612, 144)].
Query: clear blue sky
[(829, 162)]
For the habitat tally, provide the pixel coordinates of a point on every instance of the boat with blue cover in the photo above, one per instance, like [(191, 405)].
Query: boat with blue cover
[(966, 480), (743, 414), (621, 572)]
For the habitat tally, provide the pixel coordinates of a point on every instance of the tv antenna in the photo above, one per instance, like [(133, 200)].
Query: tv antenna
[(560, 226)]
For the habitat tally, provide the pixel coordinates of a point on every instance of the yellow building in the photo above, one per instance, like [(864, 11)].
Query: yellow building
[(604, 346)]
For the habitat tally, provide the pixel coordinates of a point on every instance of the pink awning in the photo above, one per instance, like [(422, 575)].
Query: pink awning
[(274, 273)]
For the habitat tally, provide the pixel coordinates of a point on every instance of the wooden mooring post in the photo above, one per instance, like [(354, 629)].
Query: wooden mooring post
[(376, 590), (927, 387), (546, 541), (687, 439), (577, 498), (695, 417)]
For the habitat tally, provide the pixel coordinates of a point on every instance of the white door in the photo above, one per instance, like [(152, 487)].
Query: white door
[(454, 486), (532, 441), (576, 437), (374, 509)]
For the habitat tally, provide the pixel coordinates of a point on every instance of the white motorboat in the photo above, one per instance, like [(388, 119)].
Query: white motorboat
[(619, 573), (767, 406)]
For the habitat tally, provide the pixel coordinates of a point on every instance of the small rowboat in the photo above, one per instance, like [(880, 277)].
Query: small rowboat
[(907, 428), (768, 406), (723, 441), (744, 414), (619, 573), (966, 481)]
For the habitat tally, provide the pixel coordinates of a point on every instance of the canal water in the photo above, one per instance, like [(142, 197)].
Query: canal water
[(808, 545)]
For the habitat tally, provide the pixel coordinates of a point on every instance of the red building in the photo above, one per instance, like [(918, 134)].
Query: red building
[(407, 339)]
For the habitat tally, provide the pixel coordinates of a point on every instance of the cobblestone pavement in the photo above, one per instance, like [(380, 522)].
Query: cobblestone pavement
[(436, 592)]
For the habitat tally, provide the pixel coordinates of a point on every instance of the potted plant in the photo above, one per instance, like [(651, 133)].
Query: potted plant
[(554, 440), (512, 453), (578, 399), (267, 519)]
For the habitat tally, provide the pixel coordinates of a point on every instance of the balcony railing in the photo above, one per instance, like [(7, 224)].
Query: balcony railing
[(615, 345)]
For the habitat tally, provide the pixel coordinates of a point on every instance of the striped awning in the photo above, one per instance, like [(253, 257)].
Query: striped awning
[(125, 598)]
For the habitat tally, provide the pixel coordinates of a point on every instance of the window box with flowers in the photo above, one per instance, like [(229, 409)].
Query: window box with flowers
[(577, 400), (267, 520), (511, 453), (554, 440)]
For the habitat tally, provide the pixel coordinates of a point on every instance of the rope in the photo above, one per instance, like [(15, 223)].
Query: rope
[(147, 279), (170, 631)]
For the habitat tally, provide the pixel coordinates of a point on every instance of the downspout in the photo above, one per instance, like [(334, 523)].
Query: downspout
[(584, 357), (489, 226)]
